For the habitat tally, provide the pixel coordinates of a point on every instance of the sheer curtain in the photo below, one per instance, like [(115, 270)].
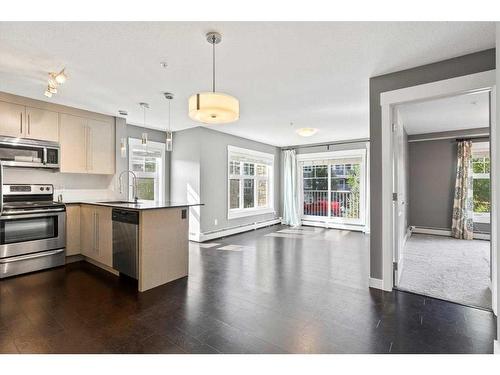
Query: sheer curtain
[(291, 214), (462, 226)]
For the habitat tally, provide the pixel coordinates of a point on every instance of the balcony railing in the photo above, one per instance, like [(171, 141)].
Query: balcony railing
[(343, 203)]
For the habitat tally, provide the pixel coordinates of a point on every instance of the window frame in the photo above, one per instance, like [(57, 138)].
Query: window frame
[(336, 156), (268, 160), (159, 186), (481, 217)]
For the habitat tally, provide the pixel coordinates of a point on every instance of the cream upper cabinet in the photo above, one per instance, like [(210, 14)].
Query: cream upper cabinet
[(12, 119), (96, 234), (101, 147), (42, 124), (73, 246), (73, 134), (87, 145), (27, 122)]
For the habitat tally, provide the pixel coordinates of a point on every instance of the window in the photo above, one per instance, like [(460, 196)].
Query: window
[(148, 163), (249, 182), (481, 181), (333, 186)]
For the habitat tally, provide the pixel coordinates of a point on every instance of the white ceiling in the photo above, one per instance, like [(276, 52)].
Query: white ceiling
[(314, 74), (446, 114)]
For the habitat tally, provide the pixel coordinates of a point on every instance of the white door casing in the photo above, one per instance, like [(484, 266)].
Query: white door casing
[(484, 81)]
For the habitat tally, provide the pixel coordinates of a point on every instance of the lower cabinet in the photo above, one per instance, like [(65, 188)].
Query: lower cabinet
[(96, 237), (72, 229)]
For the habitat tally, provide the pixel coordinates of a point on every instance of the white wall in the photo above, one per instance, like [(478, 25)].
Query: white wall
[(199, 174)]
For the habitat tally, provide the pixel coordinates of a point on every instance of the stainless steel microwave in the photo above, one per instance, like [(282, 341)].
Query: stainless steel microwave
[(21, 152)]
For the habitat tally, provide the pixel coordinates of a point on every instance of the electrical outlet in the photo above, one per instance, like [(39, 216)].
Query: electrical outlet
[(216, 222)]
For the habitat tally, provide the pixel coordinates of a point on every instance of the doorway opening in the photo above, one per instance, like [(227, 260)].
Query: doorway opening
[(442, 198)]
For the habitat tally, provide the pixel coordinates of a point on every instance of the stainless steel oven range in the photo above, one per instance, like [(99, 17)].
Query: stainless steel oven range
[(32, 229)]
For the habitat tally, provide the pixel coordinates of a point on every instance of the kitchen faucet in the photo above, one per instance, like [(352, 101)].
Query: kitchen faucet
[(134, 184)]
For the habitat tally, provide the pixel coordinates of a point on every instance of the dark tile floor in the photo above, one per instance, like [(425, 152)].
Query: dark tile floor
[(282, 293)]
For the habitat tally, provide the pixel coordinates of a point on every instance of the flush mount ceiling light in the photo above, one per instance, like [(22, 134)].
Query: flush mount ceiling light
[(306, 132), (169, 139), (214, 107)]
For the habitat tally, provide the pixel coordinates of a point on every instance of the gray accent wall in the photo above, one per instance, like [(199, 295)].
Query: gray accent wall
[(432, 183), (433, 165), (455, 67), (199, 167)]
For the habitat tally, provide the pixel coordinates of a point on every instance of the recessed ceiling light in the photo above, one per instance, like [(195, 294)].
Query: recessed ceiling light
[(306, 132), (122, 112), (164, 64)]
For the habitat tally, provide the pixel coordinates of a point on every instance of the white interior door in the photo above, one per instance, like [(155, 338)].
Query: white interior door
[(494, 200), (399, 195)]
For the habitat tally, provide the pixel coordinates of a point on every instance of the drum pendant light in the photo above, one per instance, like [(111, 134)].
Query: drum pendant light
[(213, 107)]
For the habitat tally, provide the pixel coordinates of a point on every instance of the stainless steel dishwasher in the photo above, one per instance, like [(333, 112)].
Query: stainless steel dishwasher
[(126, 242)]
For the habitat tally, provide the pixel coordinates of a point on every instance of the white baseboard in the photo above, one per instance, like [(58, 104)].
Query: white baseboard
[(446, 233), (202, 237), (324, 224), (376, 283)]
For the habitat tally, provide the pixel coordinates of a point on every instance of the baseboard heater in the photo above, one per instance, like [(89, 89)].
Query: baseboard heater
[(205, 236)]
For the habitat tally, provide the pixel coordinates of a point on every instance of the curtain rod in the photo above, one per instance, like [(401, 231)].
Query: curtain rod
[(476, 136), (361, 140)]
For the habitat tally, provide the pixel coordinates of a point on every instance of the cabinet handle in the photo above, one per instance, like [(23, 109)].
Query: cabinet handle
[(97, 233), (21, 123), (29, 123), (86, 139), (90, 150), (94, 246)]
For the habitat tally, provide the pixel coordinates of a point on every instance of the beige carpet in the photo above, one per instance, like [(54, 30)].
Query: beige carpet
[(447, 268)]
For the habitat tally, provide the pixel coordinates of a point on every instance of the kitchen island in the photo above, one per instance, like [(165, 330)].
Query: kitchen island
[(162, 243)]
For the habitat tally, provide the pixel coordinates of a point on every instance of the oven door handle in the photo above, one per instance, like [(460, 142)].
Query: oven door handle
[(31, 256), (33, 214)]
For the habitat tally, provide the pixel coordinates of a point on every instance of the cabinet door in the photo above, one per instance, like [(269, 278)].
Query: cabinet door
[(73, 138), (104, 237), (87, 231), (42, 124), (12, 120), (101, 147), (72, 230)]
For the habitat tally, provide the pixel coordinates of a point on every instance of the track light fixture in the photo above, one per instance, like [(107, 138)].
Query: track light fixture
[(54, 80)]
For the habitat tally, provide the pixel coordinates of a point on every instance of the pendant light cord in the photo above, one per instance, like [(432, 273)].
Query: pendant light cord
[(213, 63), (169, 115)]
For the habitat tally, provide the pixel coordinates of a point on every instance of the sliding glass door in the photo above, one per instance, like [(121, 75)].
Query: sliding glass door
[(333, 186)]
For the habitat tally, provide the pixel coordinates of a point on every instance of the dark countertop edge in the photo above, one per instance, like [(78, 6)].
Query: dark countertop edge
[(126, 207)]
